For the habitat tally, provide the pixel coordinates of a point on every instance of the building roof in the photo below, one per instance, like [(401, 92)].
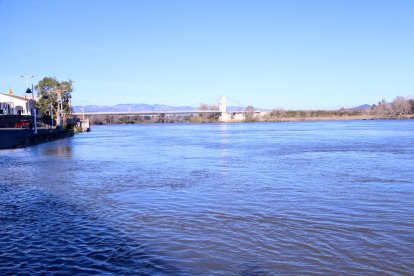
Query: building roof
[(16, 97)]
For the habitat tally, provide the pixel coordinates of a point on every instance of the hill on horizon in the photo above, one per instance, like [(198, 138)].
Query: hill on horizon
[(362, 107), (141, 108)]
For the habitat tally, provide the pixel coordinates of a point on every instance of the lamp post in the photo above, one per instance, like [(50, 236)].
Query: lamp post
[(28, 91)]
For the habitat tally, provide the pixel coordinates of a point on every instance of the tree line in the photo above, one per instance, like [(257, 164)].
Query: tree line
[(399, 108), (137, 119)]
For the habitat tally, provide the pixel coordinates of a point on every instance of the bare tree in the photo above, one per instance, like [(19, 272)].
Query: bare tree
[(411, 102), (384, 109), (401, 106), (208, 117)]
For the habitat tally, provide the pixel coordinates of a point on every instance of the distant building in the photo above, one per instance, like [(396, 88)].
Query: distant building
[(15, 105)]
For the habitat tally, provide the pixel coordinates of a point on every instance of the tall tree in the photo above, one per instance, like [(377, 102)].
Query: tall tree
[(48, 89)]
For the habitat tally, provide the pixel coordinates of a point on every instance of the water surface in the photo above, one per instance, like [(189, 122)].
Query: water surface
[(212, 199)]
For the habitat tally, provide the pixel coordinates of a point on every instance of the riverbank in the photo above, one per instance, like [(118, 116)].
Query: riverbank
[(331, 118), (263, 117), (11, 138)]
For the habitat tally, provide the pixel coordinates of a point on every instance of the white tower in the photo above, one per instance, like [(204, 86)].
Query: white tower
[(223, 109), (222, 104)]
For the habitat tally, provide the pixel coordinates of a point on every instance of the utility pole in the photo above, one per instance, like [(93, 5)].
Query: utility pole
[(51, 116), (59, 114)]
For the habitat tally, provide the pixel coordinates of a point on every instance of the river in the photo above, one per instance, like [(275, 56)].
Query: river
[(212, 199)]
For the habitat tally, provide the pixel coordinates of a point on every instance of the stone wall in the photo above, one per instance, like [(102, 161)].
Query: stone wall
[(17, 138)]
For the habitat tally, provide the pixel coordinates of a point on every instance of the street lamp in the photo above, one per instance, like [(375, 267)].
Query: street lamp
[(27, 79), (28, 91)]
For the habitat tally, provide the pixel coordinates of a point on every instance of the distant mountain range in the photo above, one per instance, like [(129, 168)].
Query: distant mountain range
[(362, 107), (162, 107), (142, 108), (130, 108)]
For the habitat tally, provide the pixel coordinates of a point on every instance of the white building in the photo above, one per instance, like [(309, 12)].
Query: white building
[(15, 105)]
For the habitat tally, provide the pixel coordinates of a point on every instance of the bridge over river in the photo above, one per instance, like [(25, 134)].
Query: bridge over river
[(225, 116)]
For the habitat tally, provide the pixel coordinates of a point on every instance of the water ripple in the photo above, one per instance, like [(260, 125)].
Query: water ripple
[(241, 199)]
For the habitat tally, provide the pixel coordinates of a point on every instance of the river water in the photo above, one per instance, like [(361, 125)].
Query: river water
[(212, 199)]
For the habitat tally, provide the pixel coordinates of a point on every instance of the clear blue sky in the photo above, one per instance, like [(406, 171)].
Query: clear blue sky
[(293, 54)]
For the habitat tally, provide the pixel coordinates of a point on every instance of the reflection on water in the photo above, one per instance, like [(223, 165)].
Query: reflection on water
[(246, 199), (63, 151)]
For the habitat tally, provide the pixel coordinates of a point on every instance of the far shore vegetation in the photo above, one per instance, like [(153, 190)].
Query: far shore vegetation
[(399, 108)]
